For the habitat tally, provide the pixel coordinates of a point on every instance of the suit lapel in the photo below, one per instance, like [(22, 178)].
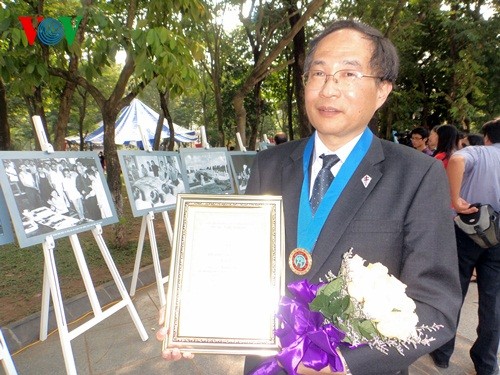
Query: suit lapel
[(292, 178), (352, 198)]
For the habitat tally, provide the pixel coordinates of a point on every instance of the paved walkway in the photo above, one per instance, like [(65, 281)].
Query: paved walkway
[(114, 345)]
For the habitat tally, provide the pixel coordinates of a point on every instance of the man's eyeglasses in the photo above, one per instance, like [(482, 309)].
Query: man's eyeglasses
[(316, 79), (416, 138)]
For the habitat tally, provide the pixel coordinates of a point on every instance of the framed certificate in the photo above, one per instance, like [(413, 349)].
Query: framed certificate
[(226, 274)]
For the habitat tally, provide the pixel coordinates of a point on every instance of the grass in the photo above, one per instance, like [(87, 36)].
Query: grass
[(21, 274)]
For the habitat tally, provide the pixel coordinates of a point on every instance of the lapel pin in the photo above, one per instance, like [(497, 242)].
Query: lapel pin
[(366, 180)]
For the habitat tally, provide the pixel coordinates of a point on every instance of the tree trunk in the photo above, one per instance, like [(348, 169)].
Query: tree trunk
[(82, 110), (113, 170), (289, 102), (63, 116), (4, 119), (241, 115), (299, 56), (254, 126), (164, 99)]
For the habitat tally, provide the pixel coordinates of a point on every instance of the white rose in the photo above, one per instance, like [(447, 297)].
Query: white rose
[(378, 269), (355, 264), (404, 303), (376, 308), (359, 286), (399, 325)]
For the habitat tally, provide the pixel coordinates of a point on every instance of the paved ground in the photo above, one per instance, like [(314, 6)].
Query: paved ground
[(114, 345)]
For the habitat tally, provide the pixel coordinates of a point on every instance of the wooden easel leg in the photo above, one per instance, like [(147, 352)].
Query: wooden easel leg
[(97, 232), (50, 268), (168, 227), (84, 271), (138, 256), (7, 363), (44, 313), (156, 259)]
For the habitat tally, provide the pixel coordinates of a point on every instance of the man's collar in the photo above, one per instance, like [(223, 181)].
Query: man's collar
[(343, 152)]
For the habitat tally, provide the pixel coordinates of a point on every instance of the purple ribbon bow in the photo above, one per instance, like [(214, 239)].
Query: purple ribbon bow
[(304, 338)]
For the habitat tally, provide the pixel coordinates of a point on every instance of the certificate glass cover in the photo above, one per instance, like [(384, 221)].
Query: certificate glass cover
[(226, 274)]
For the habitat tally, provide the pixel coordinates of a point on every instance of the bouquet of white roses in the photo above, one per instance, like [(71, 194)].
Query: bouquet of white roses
[(370, 307), (362, 305)]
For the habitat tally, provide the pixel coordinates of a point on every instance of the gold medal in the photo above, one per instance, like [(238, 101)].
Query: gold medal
[(300, 261)]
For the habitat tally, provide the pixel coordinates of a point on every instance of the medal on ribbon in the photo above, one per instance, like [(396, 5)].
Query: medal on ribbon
[(300, 261)]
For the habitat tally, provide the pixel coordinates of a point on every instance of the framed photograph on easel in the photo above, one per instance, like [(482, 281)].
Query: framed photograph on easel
[(153, 180), (241, 165), (57, 194), (208, 170)]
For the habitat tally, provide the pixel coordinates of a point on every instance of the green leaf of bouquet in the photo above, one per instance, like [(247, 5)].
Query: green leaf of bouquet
[(367, 329), (319, 303), (338, 306), (333, 287), (350, 308)]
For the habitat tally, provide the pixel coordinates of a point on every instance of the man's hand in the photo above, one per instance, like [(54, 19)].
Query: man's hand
[(169, 354), (303, 370)]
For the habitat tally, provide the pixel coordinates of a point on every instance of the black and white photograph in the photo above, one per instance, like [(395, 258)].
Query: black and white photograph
[(153, 180), (241, 165), (55, 194), (208, 170), (6, 234)]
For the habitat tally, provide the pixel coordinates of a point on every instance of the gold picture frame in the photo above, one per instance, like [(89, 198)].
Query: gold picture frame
[(226, 274)]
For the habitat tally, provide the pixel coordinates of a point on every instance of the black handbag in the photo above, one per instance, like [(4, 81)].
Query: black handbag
[(483, 226)]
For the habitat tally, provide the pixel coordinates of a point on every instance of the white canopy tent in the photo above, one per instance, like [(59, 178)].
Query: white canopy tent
[(127, 126)]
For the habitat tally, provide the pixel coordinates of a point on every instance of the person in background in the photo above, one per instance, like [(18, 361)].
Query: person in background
[(419, 137), (474, 176), (471, 140), (432, 141), (350, 71), (102, 159), (447, 142), (280, 138)]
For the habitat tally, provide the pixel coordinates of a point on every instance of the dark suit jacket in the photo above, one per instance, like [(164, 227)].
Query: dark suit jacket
[(402, 219)]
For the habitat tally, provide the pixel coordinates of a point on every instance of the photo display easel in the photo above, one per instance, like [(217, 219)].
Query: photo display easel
[(149, 192), (57, 225)]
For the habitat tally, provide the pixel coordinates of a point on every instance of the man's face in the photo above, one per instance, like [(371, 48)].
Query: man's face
[(341, 113), (417, 141)]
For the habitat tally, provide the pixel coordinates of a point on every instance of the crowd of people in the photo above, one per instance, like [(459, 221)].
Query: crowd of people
[(474, 177)]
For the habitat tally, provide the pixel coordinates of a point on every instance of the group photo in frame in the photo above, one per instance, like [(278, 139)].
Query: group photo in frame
[(241, 165), (208, 170), (153, 180), (56, 194)]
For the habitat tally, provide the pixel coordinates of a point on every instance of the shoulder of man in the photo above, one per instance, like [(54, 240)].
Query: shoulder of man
[(404, 155), (473, 153)]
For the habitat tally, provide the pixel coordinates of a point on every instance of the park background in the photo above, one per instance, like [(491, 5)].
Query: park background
[(230, 66)]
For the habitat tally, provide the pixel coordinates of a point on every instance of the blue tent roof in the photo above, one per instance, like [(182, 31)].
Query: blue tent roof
[(127, 126)]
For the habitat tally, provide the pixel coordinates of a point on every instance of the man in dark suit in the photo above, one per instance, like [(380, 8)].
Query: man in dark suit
[(389, 202)]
